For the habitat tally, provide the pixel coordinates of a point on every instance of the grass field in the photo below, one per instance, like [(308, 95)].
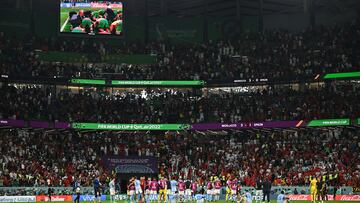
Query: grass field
[(64, 15)]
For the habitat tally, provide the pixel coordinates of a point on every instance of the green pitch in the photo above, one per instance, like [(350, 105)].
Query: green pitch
[(64, 15), (221, 201)]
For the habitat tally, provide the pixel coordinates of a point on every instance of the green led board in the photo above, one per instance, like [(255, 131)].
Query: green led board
[(329, 122), (88, 81), (342, 75)]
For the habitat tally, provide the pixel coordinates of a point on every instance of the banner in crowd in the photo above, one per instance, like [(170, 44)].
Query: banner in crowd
[(13, 123), (17, 199), (358, 121), (131, 127), (266, 124), (159, 82), (131, 164), (330, 197), (54, 198), (342, 75), (329, 122)]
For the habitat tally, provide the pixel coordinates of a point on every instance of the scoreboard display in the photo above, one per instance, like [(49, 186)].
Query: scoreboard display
[(92, 17)]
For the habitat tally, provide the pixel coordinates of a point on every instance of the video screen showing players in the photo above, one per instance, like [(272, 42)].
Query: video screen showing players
[(91, 17)]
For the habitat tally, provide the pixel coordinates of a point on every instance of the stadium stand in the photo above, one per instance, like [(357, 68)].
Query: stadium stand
[(283, 103), (290, 156), (273, 54), (287, 154)]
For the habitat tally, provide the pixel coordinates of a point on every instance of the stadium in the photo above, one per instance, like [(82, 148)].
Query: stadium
[(115, 101)]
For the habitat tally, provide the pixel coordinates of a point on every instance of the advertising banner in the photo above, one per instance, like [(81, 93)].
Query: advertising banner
[(89, 197), (62, 125), (17, 199), (13, 123), (273, 197), (329, 122), (266, 124), (54, 198), (119, 197), (39, 124), (131, 164), (132, 127), (159, 82), (330, 197), (87, 81), (358, 121)]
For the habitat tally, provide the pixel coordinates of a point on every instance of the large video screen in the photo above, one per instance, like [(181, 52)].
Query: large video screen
[(92, 17)]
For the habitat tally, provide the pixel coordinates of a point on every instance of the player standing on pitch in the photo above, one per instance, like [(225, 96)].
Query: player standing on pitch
[(187, 190), (217, 190), (324, 191), (248, 197), (153, 190), (313, 189), (163, 189), (266, 189), (181, 187), (112, 190), (147, 190), (173, 184), (194, 187), (97, 184), (258, 192), (138, 190), (281, 198), (131, 189)]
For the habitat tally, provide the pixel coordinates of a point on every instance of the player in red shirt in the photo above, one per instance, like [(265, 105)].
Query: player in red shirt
[(181, 186), (142, 185), (147, 189), (217, 186), (194, 187), (233, 189), (131, 189), (153, 189)]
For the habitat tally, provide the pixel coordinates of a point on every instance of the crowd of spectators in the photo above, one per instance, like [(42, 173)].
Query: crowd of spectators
[(269, 104), (272, 54), (292, 156)]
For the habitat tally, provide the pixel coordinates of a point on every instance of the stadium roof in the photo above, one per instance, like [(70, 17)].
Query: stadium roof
[(247, 7)]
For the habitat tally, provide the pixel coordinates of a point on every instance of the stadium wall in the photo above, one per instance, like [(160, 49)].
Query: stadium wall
[(15, 25)]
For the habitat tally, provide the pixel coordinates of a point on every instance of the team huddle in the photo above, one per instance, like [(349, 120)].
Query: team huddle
[(103, 21)]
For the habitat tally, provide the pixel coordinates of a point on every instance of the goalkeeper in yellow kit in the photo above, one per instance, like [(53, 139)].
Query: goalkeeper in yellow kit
[(313, 190)]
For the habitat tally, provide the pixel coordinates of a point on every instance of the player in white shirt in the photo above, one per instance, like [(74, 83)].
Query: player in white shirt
[(248, 197), (138, 190), (112, 190), (173, 185)]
